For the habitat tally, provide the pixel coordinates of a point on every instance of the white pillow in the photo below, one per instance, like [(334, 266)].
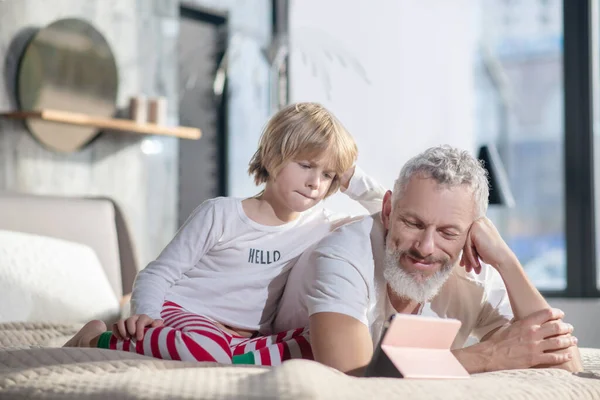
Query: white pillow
[(53, 280)]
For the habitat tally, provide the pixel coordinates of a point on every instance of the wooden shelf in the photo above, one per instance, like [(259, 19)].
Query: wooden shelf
[(126, 125)]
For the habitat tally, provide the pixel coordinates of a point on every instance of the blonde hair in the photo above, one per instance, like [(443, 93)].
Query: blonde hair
[(306, 131)]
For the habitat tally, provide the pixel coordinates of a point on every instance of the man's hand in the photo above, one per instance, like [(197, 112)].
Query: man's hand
[(529, 342), (484, 242), (133, 327)]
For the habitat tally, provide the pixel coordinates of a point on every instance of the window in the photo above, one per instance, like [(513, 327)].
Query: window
[(513, 74), (519, 109)]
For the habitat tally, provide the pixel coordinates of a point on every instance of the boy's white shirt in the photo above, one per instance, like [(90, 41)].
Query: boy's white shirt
[(225, 266)]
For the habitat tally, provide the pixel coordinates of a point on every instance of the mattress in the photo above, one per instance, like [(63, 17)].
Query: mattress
[(33, 367)]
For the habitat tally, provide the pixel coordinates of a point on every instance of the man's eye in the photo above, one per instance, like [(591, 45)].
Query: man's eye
[(305, 166), (449, 234), (411, 224), (329, 176)]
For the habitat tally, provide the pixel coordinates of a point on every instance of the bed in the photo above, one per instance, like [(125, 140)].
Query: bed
[(29, 369), (33, 365)]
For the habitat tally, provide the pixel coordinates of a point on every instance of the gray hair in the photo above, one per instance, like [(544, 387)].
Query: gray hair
[(448, 166)]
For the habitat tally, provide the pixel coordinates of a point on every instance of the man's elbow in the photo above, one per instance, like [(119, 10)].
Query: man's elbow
[(350, 360), (341, 342)]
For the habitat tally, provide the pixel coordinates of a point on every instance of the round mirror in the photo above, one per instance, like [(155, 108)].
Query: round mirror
[(67, 66)]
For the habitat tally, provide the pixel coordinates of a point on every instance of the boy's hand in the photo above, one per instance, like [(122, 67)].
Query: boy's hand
[(133, 327), (345, 178)]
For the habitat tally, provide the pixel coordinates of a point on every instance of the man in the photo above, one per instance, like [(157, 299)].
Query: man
[(420, 255)]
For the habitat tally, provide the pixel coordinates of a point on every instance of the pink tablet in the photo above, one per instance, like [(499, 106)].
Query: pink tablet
[(418, 347)]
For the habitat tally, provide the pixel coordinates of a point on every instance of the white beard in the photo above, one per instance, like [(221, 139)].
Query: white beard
[(413, 286)]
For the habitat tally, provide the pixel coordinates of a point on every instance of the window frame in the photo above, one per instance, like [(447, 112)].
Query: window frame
[(580, 222)]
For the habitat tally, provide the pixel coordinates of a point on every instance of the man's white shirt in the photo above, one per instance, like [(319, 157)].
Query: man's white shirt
[(343, 273)]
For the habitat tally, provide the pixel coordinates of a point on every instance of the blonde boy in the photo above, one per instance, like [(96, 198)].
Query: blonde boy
[(213, 291)]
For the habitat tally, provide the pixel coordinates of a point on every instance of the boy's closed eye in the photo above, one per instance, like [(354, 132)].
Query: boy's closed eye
[(329, 175)]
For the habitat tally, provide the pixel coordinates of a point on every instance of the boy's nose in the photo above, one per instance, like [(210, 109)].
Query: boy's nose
[(313, 181)]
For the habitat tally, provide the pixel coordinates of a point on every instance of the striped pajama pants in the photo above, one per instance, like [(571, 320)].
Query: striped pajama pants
[(187, 336)]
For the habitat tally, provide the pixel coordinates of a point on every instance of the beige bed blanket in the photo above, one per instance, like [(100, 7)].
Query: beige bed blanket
[(28, 371)]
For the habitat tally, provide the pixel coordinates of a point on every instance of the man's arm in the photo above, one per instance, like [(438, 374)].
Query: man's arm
[(485, 242), (341, 342), (338, 287), (525, 300)]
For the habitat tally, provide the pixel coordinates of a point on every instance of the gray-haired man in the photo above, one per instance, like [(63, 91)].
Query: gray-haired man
[(420, 255)]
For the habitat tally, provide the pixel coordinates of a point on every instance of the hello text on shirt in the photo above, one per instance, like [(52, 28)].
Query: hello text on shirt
[(256, 256)]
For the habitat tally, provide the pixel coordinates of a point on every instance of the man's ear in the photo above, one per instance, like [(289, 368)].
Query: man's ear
[(386, 209)]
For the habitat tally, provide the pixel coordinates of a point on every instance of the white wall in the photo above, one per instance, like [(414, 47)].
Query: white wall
[(417, 57)]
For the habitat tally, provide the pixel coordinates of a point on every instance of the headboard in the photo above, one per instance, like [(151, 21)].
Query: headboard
[(96, 222)]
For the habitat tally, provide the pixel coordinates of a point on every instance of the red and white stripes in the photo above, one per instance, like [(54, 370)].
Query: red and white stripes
[(190, 337)]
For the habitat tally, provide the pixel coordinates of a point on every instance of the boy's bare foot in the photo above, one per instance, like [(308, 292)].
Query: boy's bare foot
[(85, 335)]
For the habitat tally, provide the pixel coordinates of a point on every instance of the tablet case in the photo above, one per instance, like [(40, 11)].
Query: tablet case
[(417, 347)]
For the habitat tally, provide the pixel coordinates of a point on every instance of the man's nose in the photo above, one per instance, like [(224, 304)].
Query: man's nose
[(426, 242)]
